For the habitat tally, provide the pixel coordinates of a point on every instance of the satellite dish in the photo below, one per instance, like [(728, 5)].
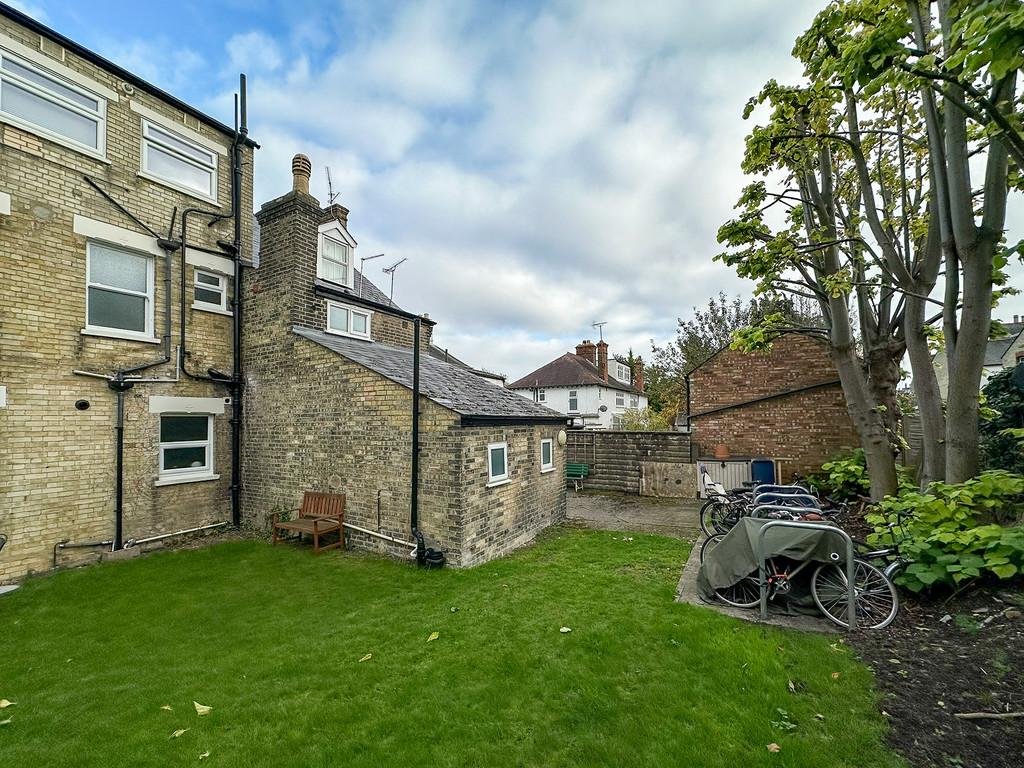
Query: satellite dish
[(603, 408)]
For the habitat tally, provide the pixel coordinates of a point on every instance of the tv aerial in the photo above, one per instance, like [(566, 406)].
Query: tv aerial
[(391, 271), (600, 328), (331, 194)]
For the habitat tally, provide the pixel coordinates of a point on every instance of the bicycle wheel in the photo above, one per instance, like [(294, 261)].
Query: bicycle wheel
[(875, 597), (716, 516), (709, 544)]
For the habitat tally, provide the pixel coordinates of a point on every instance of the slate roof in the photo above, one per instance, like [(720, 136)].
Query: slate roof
[(570, 370), (448, 385), (996, 348), (445, 356)]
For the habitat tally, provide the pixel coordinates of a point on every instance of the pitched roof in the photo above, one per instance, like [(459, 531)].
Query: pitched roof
[(454, 387), (444, 355), (996, 348), (570, 370)]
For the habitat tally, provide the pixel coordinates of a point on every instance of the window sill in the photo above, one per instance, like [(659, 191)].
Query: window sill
[(545, 470), (348, 335), (113, 333), (212, 309), (178, 188), (497, 483), (184, 479)]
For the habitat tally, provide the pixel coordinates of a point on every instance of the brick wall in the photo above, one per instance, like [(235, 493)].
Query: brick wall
[(801, 429), (56, 462), (615, 457)]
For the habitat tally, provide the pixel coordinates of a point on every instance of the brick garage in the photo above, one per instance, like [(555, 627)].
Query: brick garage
[(57, 462), (786, 404), (328, 411)]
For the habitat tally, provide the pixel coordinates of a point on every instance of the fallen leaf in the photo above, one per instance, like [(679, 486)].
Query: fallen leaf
[(205, 755), (367, 657), (835, 647), (4, 703), (454, 609), (835, 675), (178, 733), (565, 630), (895, 661), (773, 747), (819, 716), (433, 636), (167, 708), (792, 686), (201, 709)]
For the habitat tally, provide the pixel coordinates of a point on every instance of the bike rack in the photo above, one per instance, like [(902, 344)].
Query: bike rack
[(851, 599)]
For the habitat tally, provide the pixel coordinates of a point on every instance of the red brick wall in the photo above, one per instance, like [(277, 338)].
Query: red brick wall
[(801, 429)]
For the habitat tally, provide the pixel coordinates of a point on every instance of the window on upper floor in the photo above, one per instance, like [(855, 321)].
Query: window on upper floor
[(345, 320), (620, 399), (334, 262), (172, 159), (210, 291), (622, 372), (33, 98), (574, 402), (119, 292), (186, 446), (541, 395), (634, 401)]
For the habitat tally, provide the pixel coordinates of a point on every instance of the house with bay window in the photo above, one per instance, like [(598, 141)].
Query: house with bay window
[(115, 326), (591, 389)]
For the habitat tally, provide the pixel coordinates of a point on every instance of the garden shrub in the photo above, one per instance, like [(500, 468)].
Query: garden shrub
[(957, 533), (1000, 448), (844, 477)]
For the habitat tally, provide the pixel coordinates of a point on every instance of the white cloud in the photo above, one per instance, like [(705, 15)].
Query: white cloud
[(253, 52)]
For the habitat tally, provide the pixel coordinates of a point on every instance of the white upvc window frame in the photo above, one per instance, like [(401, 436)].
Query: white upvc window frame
[(620, 399), (221, 288), (634, 401), (501, 478), (622, 372), (335, 235), (542, 395), (550, 466), (121, 333), (99, 116), (367, 313), (574, 394), (149, 127), (187, 474)]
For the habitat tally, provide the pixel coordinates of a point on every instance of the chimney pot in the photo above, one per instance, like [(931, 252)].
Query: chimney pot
[(301, 169), (602, 359), (1016, 318), (587, 351)]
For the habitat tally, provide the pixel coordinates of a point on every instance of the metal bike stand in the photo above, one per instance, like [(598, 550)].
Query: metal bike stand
[(851, 599)]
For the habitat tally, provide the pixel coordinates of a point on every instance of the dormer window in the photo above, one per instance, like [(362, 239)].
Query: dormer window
[(334, 255)]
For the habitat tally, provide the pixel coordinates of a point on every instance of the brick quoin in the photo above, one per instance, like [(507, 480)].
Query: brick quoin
[(802, 429)]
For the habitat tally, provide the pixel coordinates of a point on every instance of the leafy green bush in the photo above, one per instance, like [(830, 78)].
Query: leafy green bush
[(1000, 449), (956, 533), (844, 477)]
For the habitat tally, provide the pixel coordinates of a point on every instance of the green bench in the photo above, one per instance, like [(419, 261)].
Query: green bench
[(577, 473)]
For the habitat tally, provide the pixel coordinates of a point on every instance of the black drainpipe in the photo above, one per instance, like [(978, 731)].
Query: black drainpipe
[(120, 386), (237, 382), (415, 480)]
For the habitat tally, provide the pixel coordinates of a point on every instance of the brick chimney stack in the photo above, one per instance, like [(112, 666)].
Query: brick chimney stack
[(335, 211), (587, 351), (638, 373), (602, 359)]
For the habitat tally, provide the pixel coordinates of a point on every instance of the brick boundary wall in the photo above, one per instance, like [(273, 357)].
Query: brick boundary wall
[(614, 456)]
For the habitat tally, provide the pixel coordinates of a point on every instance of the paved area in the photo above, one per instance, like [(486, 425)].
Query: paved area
[(677, 518), (621, 512)]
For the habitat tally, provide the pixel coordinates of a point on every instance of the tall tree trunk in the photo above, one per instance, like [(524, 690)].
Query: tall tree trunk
[(926, 389), (883, 368)]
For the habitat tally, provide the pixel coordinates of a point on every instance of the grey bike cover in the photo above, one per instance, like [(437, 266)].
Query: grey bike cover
[(735, 558)]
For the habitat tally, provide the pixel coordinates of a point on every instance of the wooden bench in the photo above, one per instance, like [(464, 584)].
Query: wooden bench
[(320, 513), (577, 473)]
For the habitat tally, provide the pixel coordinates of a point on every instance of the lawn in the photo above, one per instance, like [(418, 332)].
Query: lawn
[(273, 640)]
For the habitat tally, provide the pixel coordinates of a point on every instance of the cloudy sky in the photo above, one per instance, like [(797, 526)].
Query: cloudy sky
[(541, 165)]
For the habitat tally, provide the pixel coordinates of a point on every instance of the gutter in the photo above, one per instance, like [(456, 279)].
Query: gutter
[(122, 74), (325, 291), (766, 398), (485, 420)]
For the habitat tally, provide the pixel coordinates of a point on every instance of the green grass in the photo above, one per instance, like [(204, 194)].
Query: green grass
[(271, 639)]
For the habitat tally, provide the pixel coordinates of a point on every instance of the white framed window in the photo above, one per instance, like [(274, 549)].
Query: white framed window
[(620, 399), (574, 401), (634, 401), (497, 463), (541, 395), (616, 422), (547, 455), (171, 159), (186, 446), (335, 260), (119, 292), (210, 291), (622, 372), (348, 321), (45, 103)]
